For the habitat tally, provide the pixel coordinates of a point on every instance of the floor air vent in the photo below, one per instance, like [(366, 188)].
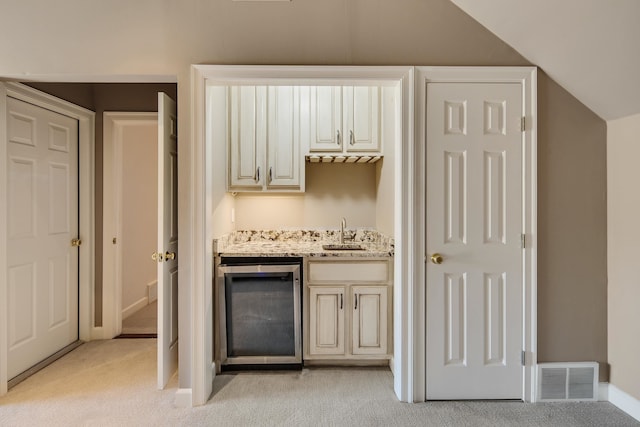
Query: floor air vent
[(567, 381)]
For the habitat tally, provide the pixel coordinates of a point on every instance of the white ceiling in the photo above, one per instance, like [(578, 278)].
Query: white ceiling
[(589, 47)]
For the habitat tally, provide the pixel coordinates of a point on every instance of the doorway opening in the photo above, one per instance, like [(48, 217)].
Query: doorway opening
[(103, 98), (130, 200)]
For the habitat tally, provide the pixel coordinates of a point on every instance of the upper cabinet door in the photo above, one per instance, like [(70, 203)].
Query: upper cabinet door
[(362, 118), (247, 136), (325, 119), (283, 141)]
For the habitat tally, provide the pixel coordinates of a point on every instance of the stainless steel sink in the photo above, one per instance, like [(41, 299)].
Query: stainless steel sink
[(343, 247)]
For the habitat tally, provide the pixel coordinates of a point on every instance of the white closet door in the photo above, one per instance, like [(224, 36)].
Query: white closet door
[(474, 221), (42, 211), (167, 239)]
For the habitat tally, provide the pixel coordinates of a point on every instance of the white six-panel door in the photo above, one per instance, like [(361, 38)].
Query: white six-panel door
[(474, 222), (42, 211), (167, 254)]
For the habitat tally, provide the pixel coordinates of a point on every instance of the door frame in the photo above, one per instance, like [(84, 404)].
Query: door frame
[(112, 211), (527, 78), (86, 180)]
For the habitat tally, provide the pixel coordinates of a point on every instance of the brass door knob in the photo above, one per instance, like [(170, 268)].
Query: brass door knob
[(157, 257), (76, 242), (436, 258), (169, 255)]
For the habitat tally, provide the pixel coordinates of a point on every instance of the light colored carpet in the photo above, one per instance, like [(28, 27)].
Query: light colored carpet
[(143, 321), (112, 383)]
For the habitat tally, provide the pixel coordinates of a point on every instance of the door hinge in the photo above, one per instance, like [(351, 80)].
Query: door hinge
[(523, 240), (523, 124), (523, 358)]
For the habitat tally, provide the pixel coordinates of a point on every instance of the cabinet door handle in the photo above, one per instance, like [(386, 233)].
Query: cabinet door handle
[(257, 176), (352, 139), (338, 136), (356, 307), (270, 174), (341, 301)]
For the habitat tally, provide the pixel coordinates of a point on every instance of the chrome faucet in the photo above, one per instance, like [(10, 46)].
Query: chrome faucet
[(343, 225)]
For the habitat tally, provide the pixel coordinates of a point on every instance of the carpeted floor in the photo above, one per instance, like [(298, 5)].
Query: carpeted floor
[(112, 383)]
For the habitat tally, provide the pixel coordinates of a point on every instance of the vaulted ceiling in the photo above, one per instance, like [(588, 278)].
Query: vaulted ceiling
[(590, 47)]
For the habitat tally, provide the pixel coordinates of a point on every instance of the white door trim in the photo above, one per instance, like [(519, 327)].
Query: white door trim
[(526, 77), (86, 179), (113, 121), (201, 262)]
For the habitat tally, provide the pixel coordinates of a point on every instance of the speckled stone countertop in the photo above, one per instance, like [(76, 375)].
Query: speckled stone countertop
[(301, 243)]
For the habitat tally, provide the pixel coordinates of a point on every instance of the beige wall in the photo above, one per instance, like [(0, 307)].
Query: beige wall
[(153, 38), (333, 191), (139, 211), (216, 136), (572, 214), (623, 174), (385, 168)]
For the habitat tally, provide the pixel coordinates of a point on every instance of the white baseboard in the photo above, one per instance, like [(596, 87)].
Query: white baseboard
[(152, 291), (624, 401), (97, 333), (141, 303), (603, 392), (183, 398)]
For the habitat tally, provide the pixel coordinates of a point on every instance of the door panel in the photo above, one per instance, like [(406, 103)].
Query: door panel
[(283, 142), (42, 219), (22, 206), (326, 320), (474, 220), (167, 239), (369, 324), (326, 119), (362, 117), (248, 135)]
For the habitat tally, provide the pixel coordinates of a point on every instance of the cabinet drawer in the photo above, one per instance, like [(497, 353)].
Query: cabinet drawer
[(349, 271)]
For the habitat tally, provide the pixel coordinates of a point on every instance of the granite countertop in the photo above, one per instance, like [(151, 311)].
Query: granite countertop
[(301, 243)]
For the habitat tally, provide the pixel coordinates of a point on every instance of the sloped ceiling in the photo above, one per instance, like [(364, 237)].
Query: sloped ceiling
[(590, 47)]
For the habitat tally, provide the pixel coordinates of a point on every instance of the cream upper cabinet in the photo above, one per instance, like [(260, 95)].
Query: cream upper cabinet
[(362, 118), (344, 119), (247, 137), (325, 110), (264, 139), (283, 138)]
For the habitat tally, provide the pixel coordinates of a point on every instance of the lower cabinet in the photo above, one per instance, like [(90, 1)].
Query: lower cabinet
[(369, 319), (326, 320), (347, 311)]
